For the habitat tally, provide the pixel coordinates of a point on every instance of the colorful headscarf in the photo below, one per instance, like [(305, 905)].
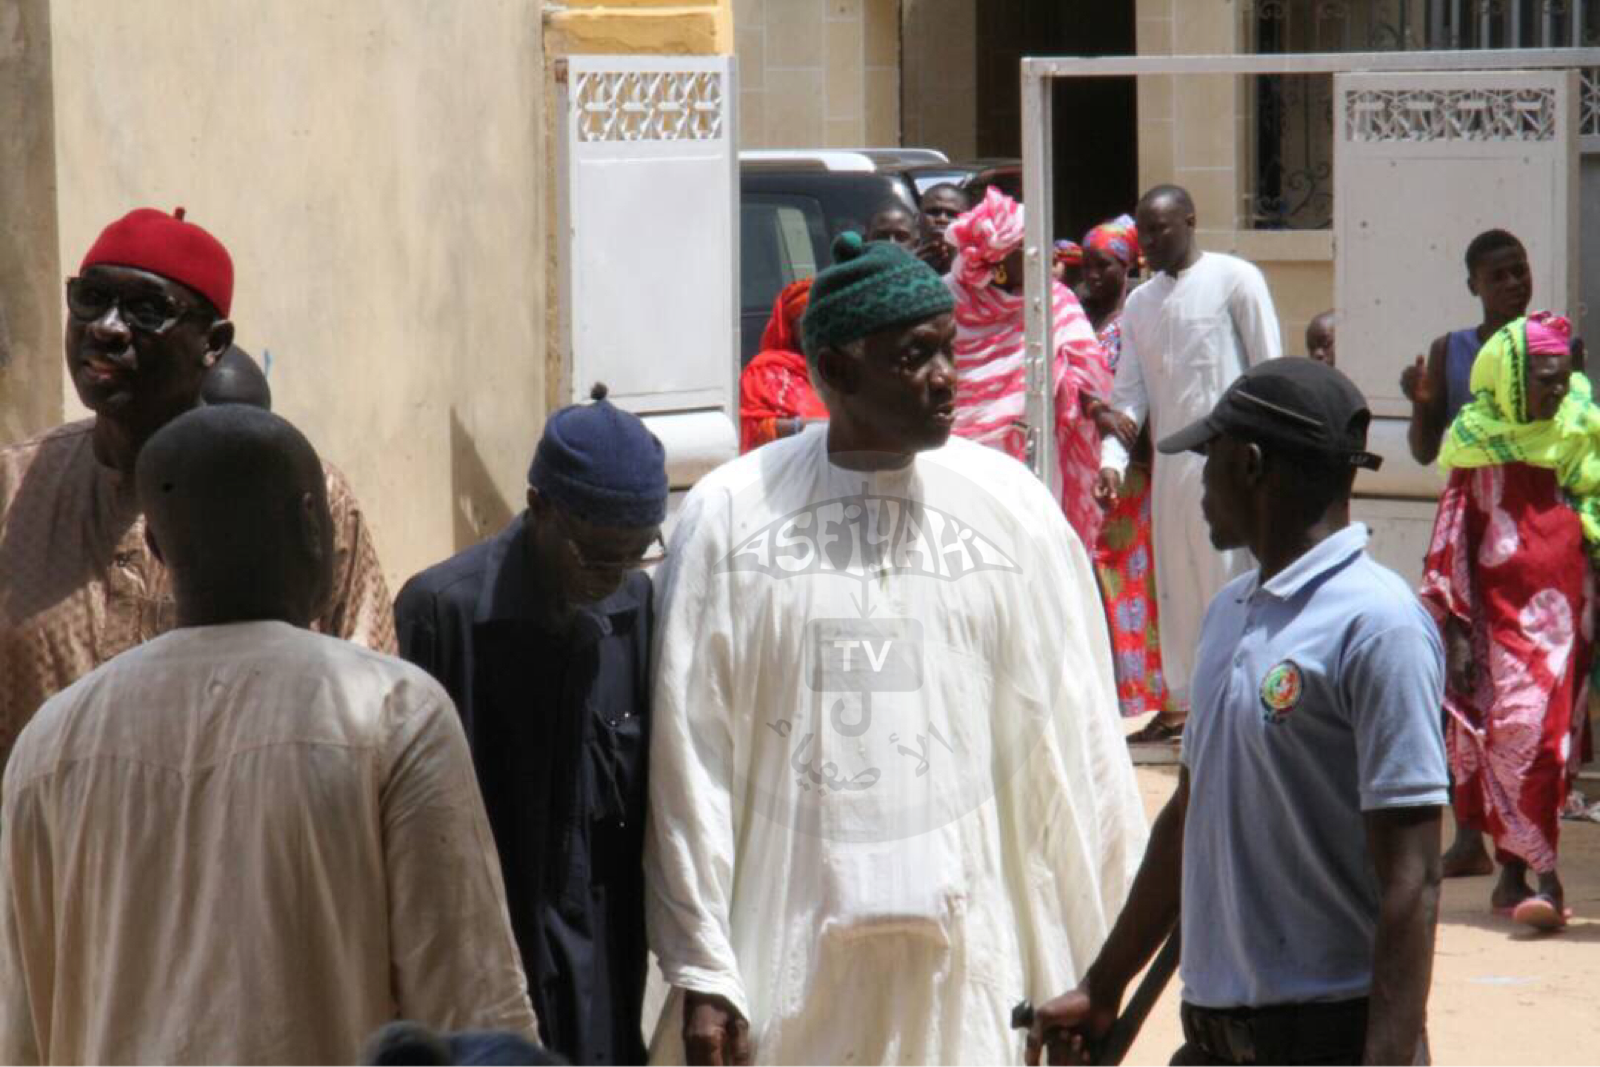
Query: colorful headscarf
[(1116, 238), (984, 237), (1494, 428), (1069, 253), (776, 384)]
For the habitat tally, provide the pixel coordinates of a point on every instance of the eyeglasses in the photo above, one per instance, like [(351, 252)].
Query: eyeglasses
[(151, 313), (654, 553)]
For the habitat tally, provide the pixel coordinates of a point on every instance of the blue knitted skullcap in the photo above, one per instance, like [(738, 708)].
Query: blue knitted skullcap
[(601, 465)]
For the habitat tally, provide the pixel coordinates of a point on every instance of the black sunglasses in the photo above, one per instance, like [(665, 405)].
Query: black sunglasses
[(147, 312)]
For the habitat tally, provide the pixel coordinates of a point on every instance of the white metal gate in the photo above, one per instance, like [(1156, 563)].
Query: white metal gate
[(1394, 502), (1422, 162), (648, 246)]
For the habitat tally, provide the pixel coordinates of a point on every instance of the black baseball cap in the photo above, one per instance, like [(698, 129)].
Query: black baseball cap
[(1295, 403)]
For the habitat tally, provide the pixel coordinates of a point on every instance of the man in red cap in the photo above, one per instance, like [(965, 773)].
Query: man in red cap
[(147, 317)]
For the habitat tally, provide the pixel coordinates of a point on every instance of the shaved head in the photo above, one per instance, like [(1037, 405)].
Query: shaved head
[(943, 204), (1161, 195), (236, 379), (236, 505), (1320, 338), (896, 222), (1165, 222)]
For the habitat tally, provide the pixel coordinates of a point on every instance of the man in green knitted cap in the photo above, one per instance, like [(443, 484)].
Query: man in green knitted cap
[(889, 794)]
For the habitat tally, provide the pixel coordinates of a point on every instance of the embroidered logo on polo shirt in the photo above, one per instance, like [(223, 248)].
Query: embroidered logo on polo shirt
[(1281, 690)]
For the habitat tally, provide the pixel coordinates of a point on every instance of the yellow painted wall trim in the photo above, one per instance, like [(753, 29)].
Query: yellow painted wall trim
[(645, 27), (634, 5)]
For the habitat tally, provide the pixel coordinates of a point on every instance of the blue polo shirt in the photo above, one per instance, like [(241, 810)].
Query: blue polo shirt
[(1316, 698)]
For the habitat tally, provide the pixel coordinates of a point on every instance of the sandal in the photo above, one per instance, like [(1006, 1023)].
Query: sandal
[(1541, 913), (1156, 732)]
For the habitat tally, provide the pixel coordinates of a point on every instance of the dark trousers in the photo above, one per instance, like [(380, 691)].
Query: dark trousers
[(1286, 1033), (1191, 1056)]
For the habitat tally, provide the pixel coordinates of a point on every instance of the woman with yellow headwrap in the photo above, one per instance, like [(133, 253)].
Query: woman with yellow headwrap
[(1508, 577)]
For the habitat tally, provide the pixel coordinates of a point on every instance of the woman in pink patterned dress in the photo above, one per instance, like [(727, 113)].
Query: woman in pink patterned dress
[(1508, 578), (992, 373)]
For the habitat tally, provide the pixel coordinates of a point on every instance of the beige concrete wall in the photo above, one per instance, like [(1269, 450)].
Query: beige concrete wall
[(939, 70), (1190, 128), (376, 170), (1195, 130), (818, 73), (31, 375), (1299, 271)]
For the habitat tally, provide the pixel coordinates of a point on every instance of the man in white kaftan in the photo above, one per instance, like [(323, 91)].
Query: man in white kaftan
[(883, 895), (1187, 333), (888, 791)]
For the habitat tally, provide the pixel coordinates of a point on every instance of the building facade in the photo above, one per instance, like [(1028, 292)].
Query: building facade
[(1255, 152)]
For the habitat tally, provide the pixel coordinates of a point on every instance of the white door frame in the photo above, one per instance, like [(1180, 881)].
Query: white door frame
[(1038, 158)]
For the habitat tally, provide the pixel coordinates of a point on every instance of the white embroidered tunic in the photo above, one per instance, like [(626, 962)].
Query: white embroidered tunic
[(889, 791)]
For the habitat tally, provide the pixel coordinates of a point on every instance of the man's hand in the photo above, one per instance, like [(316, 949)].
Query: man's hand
[(1415, 385), (936, 254), (1458, 657), (1112, 423), (1107, 487), (1065, 1028), (713, 1032)]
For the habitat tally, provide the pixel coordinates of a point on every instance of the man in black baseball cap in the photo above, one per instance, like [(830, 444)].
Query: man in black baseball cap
[(1302, 843), (1282, 449), (1298, 405)]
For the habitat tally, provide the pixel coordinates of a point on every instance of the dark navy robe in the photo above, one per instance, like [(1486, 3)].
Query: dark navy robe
[(559, 728)]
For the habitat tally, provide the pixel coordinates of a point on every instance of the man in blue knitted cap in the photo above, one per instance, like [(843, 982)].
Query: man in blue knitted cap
[(888, 789), (541, 635)]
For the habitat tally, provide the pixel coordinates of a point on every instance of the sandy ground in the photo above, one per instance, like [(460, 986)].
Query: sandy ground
[(1499, 995)]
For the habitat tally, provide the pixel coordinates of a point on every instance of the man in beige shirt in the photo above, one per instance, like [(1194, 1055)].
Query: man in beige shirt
[(146, 320), (245, 842)]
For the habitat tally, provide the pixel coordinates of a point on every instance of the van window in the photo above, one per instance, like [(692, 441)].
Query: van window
[(779, 238), (782, 238)]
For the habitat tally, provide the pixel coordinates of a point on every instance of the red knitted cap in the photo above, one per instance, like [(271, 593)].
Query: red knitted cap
[(167, 245)]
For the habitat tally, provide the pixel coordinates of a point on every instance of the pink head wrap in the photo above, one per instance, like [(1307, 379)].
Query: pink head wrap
[(1549, 334), (984, 237)]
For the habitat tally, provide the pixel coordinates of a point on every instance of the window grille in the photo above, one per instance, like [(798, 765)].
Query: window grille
[(1291, 146)]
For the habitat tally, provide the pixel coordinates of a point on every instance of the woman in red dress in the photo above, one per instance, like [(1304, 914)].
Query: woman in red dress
[(775, 394), (1508, 577)]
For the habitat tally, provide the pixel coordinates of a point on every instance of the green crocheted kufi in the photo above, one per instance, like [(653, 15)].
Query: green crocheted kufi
[(870, 287)]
